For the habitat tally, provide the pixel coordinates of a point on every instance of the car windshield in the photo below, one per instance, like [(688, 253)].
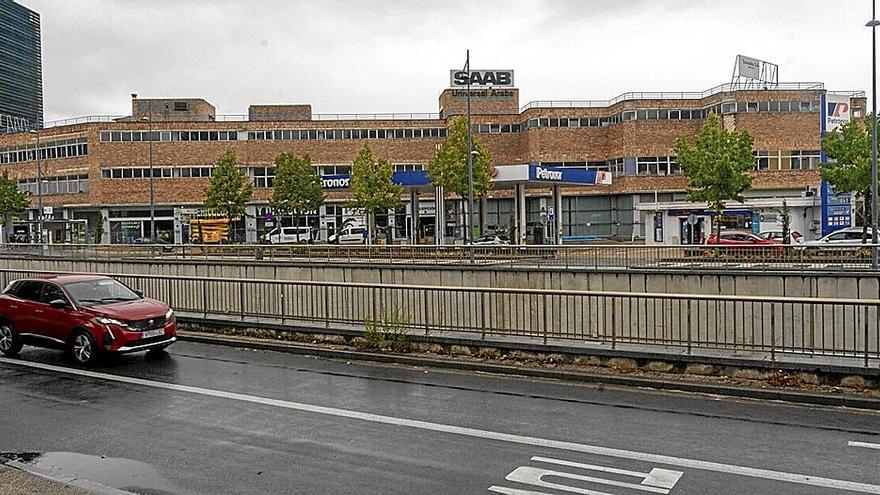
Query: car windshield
[(101, 291)]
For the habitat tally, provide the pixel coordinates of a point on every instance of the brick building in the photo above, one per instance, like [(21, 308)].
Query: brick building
[(96, 169)]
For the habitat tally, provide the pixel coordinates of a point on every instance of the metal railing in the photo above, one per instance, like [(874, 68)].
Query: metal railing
[(672, 95), (832, 257), (767, 326)]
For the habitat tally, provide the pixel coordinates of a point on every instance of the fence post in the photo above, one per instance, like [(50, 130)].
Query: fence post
[(482, 315), (546, 318), (327, 306), (205, 296), (241, 299), (613, 324), (425, 299), (689, 336), (867, 334), (772, 332)]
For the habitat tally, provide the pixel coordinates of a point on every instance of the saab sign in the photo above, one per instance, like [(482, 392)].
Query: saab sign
[(496, 78)]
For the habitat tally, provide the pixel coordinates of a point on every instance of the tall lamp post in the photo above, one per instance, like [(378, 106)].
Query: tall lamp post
[(873, 23), (149, 119), (39, 188), (469, 221)]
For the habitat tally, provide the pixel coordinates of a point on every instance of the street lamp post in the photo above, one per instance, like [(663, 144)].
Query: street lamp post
[(149, 119), (39, 188), (469, 221), (873, 23)]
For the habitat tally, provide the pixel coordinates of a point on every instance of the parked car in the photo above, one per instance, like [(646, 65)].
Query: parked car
[(846, 242), (490, 240), (290, 235), (778, 235), (349, 235), (87, 315), (850, 235), (739, 238)]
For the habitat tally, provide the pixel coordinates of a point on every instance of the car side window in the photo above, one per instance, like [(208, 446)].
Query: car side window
[(52, 292), (29, 290), (836, 237)]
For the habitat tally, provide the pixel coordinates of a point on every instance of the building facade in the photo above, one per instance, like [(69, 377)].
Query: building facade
[(21, 69), (96, 170)]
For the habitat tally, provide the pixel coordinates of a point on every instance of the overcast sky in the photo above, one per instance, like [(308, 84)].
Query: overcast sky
[(394, 56)]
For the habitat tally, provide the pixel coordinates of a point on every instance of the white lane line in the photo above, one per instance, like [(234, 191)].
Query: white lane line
[(717, 467), (865, 445)]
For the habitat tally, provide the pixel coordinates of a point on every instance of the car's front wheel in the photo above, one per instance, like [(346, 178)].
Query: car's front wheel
[(10, 341), (83, 348)]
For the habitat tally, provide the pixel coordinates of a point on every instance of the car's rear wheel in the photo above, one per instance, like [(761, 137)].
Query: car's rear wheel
[(10, 341), (83, 348)]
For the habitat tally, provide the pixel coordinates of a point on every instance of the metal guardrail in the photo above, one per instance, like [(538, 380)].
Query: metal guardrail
[(672, 95), (771, 326), (833, 258)]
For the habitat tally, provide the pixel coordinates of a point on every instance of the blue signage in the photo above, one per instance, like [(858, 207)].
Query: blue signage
[(338, 181), (836, 209), (561, 175)]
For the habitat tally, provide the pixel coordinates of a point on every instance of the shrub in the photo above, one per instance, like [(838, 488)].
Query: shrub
[(387, 332)]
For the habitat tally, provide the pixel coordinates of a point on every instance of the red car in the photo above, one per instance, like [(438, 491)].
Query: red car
[(739, 238), (88, 315)]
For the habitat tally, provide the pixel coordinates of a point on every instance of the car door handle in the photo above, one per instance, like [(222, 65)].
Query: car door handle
[(38, 311)]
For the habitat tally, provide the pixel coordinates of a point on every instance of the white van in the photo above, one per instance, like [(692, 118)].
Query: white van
[(290, 235), (349, 235)]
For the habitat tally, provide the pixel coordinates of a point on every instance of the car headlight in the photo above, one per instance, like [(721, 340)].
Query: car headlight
[(110, 321), (169, 313)]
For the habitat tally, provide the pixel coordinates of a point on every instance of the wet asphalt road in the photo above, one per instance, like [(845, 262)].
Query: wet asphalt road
[(245, 422)]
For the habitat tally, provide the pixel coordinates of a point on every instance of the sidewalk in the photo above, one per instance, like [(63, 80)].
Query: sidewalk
[(18, 482)]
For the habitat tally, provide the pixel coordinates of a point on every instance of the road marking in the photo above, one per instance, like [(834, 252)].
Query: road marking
[(717, 467), (865, 445), (657, 481)]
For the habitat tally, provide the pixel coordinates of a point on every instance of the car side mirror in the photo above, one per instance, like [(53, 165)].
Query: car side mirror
[(58, 304), (139, 292)]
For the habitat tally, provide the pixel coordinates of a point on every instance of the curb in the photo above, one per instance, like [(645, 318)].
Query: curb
[(500, 369), (73, 482)]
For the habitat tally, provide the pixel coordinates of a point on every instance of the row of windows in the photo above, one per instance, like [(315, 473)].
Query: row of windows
[(158, 172), (666, 165), (336, 134), (65, 184), (262, 175), (793, 160), (271, 135), (67, 148), (144, 136)]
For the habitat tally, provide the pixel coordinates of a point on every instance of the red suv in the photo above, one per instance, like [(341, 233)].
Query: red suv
[(85, 314)]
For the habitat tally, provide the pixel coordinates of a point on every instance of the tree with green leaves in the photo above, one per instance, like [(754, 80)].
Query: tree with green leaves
[(230, 189), (448, 168), (717, 166), (372, 186), (849, 167), (12, 199), (297, 188)]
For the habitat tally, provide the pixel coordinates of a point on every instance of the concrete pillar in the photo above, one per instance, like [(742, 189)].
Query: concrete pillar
[(250, 224), (557, 206), (105, 217), (414, 217), (520, 192), (439, 215)]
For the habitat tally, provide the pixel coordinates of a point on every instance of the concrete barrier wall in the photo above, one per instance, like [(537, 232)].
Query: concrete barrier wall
[(849, 285)]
